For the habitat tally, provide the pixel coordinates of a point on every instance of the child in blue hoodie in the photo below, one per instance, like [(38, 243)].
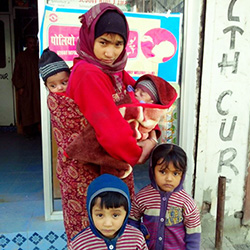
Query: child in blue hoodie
[(108, 206), (170, 216)]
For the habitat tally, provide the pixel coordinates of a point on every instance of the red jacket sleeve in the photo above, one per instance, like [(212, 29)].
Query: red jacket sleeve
[(92, 90)]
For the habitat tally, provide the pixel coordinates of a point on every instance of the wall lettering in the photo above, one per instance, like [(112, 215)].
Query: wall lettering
[(229, 137), (234, 63), (226, 63), (233, 30), (229, 154), (227, 162), (220, 99), (225, 112), (230, 16)]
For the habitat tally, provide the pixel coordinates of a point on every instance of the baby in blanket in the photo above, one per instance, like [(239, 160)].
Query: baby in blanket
[(149, 89), (55, 74), (143, 109)]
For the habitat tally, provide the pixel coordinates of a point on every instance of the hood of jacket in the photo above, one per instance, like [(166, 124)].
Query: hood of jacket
[(166, 92), (152, 176), (103, 183), (85, 44)]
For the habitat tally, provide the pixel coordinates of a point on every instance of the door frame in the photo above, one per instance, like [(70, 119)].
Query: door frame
[(189, 86), (49, 212), (9, 45), (188, 99)]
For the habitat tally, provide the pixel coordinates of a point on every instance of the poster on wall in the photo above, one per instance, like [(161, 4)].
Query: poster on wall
[(86, 4), (153, 45)]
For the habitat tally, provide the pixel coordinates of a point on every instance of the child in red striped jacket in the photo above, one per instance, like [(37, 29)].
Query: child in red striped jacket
[(170, 218), (108, 206)]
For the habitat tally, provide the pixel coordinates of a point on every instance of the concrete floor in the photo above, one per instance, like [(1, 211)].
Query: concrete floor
[(22, 224), (21, 199)]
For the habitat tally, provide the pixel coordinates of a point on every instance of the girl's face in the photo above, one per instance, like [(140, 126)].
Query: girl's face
[(167, 178), (108, 47), (58, 82), (108, 221)]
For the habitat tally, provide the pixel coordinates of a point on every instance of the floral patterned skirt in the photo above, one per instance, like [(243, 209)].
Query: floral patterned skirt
[(74, 179)]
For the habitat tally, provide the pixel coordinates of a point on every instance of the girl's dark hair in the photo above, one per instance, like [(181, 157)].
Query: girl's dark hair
[(170, 153), (111, 199)]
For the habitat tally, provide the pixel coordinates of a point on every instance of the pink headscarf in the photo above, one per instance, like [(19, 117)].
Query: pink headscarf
[(85, 44)]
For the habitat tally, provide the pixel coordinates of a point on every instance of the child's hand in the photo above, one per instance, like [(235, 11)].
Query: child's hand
[(145, 232), (121, 173)]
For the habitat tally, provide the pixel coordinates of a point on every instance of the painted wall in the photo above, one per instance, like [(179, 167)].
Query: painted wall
[(225, 104)]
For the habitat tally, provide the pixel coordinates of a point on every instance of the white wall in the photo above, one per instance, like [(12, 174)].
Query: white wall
[(225, 104)]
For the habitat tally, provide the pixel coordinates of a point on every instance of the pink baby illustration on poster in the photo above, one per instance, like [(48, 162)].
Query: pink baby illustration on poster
[(158, 45)]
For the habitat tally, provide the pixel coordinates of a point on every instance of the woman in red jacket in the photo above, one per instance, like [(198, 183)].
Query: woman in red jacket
[(97, 84)]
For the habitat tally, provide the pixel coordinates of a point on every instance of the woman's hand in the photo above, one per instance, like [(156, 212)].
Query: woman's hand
[(147, 146)]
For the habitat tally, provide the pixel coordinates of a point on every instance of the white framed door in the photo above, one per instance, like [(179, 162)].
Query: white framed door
[(7, 116), (188, 102)]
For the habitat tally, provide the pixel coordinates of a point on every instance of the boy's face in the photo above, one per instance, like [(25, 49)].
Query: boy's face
[(142, 95), (108, 221), (168, 178), (58, 82), (108, 47)]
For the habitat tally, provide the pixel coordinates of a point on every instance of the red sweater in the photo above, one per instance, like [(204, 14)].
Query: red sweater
[(93, 92)]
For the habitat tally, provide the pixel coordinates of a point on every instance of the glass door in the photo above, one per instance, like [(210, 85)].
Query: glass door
[(178, 125)]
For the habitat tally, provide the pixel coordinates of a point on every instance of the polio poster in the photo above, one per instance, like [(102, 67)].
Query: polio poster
[(153, 45)]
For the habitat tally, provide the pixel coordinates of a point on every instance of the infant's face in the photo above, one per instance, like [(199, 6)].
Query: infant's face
[(143, 96), (58, 82)]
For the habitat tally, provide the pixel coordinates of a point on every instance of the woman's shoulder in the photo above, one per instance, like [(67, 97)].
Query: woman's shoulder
[(128, 79), (85, 67)]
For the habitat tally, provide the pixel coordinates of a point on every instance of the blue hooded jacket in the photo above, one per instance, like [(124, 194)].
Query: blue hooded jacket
[(104, 183)]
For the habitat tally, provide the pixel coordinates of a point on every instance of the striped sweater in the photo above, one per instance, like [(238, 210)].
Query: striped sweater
[(131, 239), (171, 219)]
